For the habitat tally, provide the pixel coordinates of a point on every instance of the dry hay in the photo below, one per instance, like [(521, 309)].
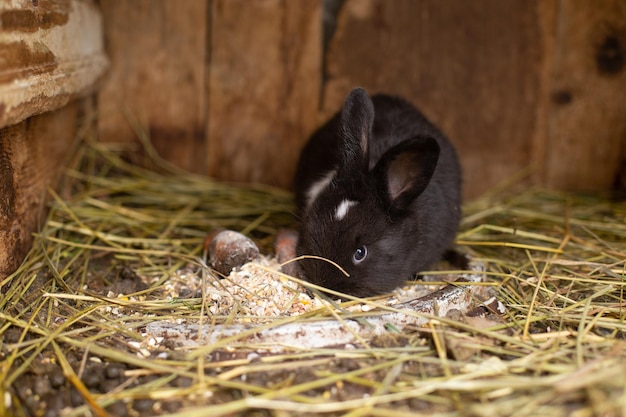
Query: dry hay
[(122, 248)]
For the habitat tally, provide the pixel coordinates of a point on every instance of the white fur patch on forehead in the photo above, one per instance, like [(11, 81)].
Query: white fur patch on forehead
[(343, 207), (317, 187)]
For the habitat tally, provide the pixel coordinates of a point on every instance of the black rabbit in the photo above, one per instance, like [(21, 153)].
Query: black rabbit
[(378, 190)]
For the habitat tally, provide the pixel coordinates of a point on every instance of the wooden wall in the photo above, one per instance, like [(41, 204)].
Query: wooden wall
[(232, 88), (51, 57), (32, 154)]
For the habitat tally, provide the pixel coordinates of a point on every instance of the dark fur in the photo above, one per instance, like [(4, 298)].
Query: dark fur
[(366, 143)]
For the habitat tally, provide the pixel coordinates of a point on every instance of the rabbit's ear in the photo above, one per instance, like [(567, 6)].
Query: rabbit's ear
[(405, 170), (355, 129)]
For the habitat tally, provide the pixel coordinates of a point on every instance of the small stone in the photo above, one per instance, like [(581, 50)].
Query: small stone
[(144, 404), (75, 398), (107, 385), (229, 250), (53, 402), (57, 378), (92, 376), (117, 409), (172, 406), (11, 335), (41, 386)]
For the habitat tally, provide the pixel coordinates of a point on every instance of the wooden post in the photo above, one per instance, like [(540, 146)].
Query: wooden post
[(32, 156), (51, 56)]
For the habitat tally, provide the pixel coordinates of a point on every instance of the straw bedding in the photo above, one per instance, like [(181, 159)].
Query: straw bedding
[(123, 248)]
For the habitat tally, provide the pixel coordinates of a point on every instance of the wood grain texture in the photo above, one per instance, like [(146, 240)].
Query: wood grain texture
[(585, 136), (472, 67), (51, 52), (233, 88), (264, 83), (33, 154), (158, 53)]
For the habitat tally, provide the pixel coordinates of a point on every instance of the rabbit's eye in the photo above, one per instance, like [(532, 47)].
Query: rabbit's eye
[(359, 254)]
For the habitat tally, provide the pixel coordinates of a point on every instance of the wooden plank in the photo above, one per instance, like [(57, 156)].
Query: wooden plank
[(473, 67), (50, 53), (586, 127), (264, 85), (547, 18), (33, 154), (158, 52)]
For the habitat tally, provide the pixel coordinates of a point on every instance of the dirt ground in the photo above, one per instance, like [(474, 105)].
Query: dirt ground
[(44, 389)]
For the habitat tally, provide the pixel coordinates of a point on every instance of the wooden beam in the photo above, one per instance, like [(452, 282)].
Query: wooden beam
[(50, 53)]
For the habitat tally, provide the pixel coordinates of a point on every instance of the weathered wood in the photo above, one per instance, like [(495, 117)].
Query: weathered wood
[(547, 18), (232, 88), (32, 157), (158, 53), (264, 87), (585, 135), (473, 67), (50, 53)]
